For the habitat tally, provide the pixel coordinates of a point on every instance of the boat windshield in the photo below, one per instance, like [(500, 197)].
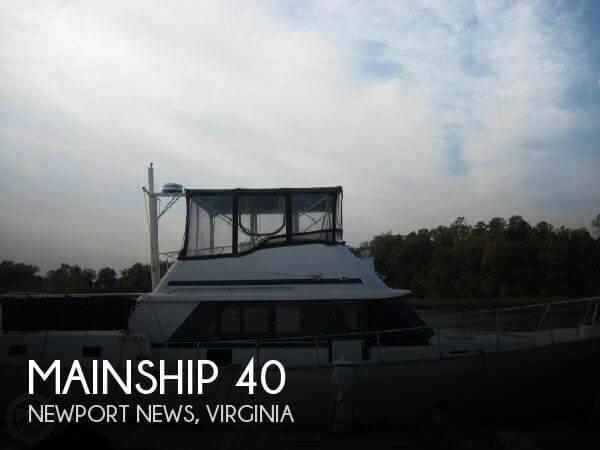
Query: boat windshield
[(236, 222)]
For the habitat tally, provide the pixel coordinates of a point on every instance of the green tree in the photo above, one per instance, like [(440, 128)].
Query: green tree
[(596, 225), (506, 258), (106, 280), (70, 279), (19, 277), (136, 278)]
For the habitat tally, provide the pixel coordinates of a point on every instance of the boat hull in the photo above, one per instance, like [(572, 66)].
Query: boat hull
[(511, 387)]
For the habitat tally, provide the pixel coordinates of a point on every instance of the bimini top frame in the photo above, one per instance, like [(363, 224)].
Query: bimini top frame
[(235, 222)]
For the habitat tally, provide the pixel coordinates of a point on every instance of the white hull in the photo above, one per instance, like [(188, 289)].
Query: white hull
[(397, 385)]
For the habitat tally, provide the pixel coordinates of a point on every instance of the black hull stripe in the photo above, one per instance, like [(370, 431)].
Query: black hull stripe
[(271, 282)]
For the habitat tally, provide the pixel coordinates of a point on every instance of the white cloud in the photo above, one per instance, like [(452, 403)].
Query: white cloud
[(254, 94)]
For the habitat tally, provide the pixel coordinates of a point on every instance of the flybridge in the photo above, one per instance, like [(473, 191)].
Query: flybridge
[(235, 222), (239, 221)]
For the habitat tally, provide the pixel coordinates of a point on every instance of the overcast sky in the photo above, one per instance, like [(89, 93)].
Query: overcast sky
[(422, 111)]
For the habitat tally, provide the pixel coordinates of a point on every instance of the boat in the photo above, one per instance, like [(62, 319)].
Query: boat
[(263, 275)]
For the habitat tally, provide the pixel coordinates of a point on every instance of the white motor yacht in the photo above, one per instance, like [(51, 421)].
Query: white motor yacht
[(265, 274)]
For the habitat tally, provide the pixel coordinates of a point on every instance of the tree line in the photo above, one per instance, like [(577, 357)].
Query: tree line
[(499, 258), (72, 279)]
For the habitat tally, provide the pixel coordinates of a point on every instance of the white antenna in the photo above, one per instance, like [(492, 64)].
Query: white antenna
[(153, 215), (171, 190)]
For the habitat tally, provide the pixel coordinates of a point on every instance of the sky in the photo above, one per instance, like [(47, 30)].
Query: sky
[(422, 111)]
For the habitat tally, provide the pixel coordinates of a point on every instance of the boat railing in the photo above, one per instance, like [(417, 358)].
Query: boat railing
[(506, 328)]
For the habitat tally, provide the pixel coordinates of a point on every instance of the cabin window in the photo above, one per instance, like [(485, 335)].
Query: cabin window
[(261, 218), (256, 319), (313, 318), (298, 318), (230, 320), (287, 319), (350, 318), (204, 320), (345, 317), (210, 225)]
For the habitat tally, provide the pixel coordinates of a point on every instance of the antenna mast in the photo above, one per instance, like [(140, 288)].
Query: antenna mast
[(172, 190), (153, 219)]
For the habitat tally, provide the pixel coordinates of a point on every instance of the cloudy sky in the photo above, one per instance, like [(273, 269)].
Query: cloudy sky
[(423, 111)]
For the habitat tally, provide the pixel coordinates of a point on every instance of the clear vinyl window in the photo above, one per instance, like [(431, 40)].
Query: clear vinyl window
[(261, 218), (221, 223), (210, 225), (312, 216)]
